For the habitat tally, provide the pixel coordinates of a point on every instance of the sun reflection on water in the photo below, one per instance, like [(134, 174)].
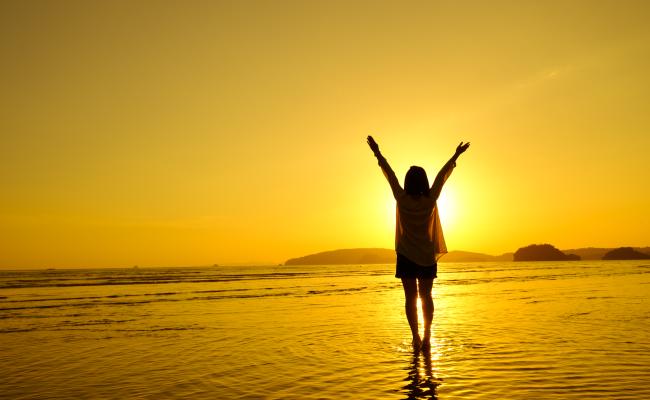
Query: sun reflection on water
[(422, 383)]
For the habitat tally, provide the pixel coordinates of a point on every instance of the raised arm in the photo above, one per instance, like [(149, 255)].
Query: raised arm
[(385, 167), (445, 171)]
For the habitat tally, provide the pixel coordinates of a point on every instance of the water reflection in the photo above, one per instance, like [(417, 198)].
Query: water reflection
[(421, 382)]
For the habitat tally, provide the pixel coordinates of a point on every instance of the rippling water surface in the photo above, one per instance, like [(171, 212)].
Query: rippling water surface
[(501, 331)]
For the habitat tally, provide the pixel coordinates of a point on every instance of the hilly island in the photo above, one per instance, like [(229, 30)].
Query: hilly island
[(534, 252)]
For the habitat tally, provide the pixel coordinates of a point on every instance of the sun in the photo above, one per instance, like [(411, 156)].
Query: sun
[(447, 206), (390, 210)]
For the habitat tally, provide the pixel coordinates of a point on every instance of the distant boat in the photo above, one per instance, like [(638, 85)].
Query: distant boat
[(215, 265)]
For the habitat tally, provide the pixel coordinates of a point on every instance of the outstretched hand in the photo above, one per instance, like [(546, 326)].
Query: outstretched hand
[(461, 148), (373, 145)]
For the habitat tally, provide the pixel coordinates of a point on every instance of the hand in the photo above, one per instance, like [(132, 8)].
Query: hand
[(461, 148), (373, 145)]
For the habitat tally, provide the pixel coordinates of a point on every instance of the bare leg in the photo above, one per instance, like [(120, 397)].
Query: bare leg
[(424, 289), (411, 305)]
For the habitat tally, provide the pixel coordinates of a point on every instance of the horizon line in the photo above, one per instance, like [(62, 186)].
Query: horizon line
[(270, 263)]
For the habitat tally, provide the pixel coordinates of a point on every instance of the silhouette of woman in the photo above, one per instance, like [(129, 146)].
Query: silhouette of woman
[(419, 242)]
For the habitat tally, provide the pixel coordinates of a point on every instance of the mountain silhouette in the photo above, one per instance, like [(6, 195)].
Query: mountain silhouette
[(542, 252), (384, 256), (625, 253)]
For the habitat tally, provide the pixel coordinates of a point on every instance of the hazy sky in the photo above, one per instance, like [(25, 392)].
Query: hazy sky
[(193, 133)]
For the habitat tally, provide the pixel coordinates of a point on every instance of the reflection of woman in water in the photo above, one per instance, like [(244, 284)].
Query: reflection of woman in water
[(419, 242)]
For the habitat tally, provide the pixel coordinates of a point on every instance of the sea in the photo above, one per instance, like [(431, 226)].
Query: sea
[(502, 330)]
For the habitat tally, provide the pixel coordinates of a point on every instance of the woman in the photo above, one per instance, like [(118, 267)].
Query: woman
[(419, 242)]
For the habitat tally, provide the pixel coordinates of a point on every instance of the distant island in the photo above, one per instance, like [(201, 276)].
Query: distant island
[(545, 252), (469, 256), (598, 253), (542, 252), (625, 253), (346, 256), (384, 256)]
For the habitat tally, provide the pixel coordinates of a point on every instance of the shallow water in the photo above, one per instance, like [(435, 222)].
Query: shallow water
[(547, 330)]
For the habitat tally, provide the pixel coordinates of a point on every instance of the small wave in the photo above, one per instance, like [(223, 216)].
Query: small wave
[(17, 330), (187, 328), (111, 296), (578, 314), (343, 290)]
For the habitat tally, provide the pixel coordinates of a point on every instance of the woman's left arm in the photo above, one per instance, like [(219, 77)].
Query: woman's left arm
[(445, 171)]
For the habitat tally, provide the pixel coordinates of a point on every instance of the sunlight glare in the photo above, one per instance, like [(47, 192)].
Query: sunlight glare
[(446, 206), (390, 211)]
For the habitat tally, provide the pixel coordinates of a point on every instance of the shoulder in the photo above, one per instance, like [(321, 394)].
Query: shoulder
[(407, 198)]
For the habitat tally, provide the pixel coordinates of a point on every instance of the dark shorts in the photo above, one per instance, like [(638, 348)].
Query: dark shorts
[(406, 268)]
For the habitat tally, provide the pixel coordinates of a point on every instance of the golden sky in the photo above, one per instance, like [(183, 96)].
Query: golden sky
[(192, 133)]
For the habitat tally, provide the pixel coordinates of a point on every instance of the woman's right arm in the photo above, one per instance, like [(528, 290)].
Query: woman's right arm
[(445, 171), (385, 167)]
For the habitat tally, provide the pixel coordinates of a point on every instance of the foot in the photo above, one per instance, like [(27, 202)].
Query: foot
[(417, 343), (426, 343)]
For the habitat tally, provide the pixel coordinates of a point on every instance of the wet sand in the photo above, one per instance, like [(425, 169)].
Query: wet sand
[(501, 330)]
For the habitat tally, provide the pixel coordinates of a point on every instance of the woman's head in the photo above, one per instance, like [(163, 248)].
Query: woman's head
[(416, 182)]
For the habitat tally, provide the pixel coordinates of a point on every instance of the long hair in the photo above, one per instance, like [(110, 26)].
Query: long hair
[(416, 182)]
